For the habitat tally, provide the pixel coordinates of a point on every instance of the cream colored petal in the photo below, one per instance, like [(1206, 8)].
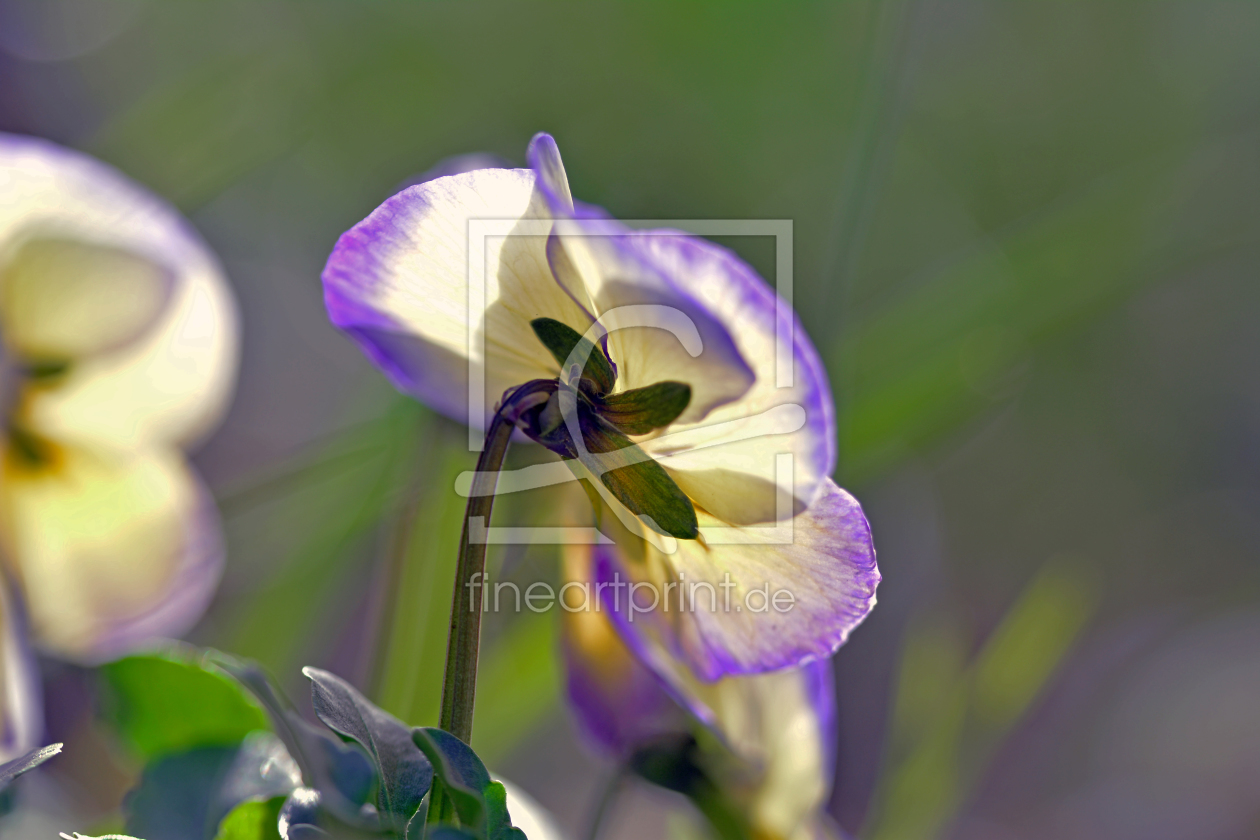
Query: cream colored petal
[(655, 331), (170, 386), (745, 600), (62, 299), (21, 706), (79, 238), (398, 283), (772, 723), (111, 549), (529, 816), (787, 410), (775, 732)]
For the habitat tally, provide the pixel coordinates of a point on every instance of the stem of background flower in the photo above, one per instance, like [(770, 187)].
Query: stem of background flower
[(604, 806)]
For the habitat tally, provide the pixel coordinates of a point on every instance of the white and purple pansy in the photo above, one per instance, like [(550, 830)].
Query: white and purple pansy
[(660, 368), (118, 344), (766, 741)]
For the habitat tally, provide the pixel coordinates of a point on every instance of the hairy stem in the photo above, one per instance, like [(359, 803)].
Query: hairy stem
[(459, 685)]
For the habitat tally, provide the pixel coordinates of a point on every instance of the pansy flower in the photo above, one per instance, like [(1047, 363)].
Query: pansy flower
[(759, 748), (117, 350), (659, 367)]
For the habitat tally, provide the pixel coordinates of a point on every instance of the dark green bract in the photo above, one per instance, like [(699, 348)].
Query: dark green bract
[(605, 420)]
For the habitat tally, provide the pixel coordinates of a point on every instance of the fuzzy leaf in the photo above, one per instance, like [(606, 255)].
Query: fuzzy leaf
[(28, 762), (404, 772), (186, 796), (464, 777), (340, 771), (480, 803)]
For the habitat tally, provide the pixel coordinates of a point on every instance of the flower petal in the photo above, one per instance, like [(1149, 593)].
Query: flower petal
[(397, 283), (534, 821), (136, 289), (655, 330), (111, 549), (62, 299), (21, 704), (619, 704), (739, 440), (777, 730), (600, 263), (726, 583), (543, 157)]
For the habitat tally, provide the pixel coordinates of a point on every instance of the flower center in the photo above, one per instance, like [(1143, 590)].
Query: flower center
[(24, 447), (578, 417)]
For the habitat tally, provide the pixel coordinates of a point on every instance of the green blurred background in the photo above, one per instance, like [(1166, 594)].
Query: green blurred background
[(1026, 243)]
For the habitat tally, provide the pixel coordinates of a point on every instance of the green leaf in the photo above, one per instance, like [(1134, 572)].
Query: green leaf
[(479, 802), (641, 410), (257, 819), (500, 823), (11, 770), (403, 772), (168, 703), (464, 777), (565, 343), (186, 796), (340, 772), (643, 486)]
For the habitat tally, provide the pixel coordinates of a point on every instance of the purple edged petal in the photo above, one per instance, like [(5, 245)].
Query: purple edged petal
[(777, 730), (398, 284), (739, 441), (543, 156), (820, 565), (618, 703)]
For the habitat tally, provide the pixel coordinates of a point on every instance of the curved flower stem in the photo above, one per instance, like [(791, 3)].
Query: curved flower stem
[(459, 684), (606, 798)]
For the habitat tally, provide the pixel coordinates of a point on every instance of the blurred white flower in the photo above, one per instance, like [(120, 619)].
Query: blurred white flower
[(118, 345)]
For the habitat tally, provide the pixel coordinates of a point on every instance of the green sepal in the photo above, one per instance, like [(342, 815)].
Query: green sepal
[(562, 339), (677, 766), (641, 410), (643, 486)]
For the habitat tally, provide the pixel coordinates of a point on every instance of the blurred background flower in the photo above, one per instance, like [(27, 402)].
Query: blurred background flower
[(1024, 243), (119, 348)]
